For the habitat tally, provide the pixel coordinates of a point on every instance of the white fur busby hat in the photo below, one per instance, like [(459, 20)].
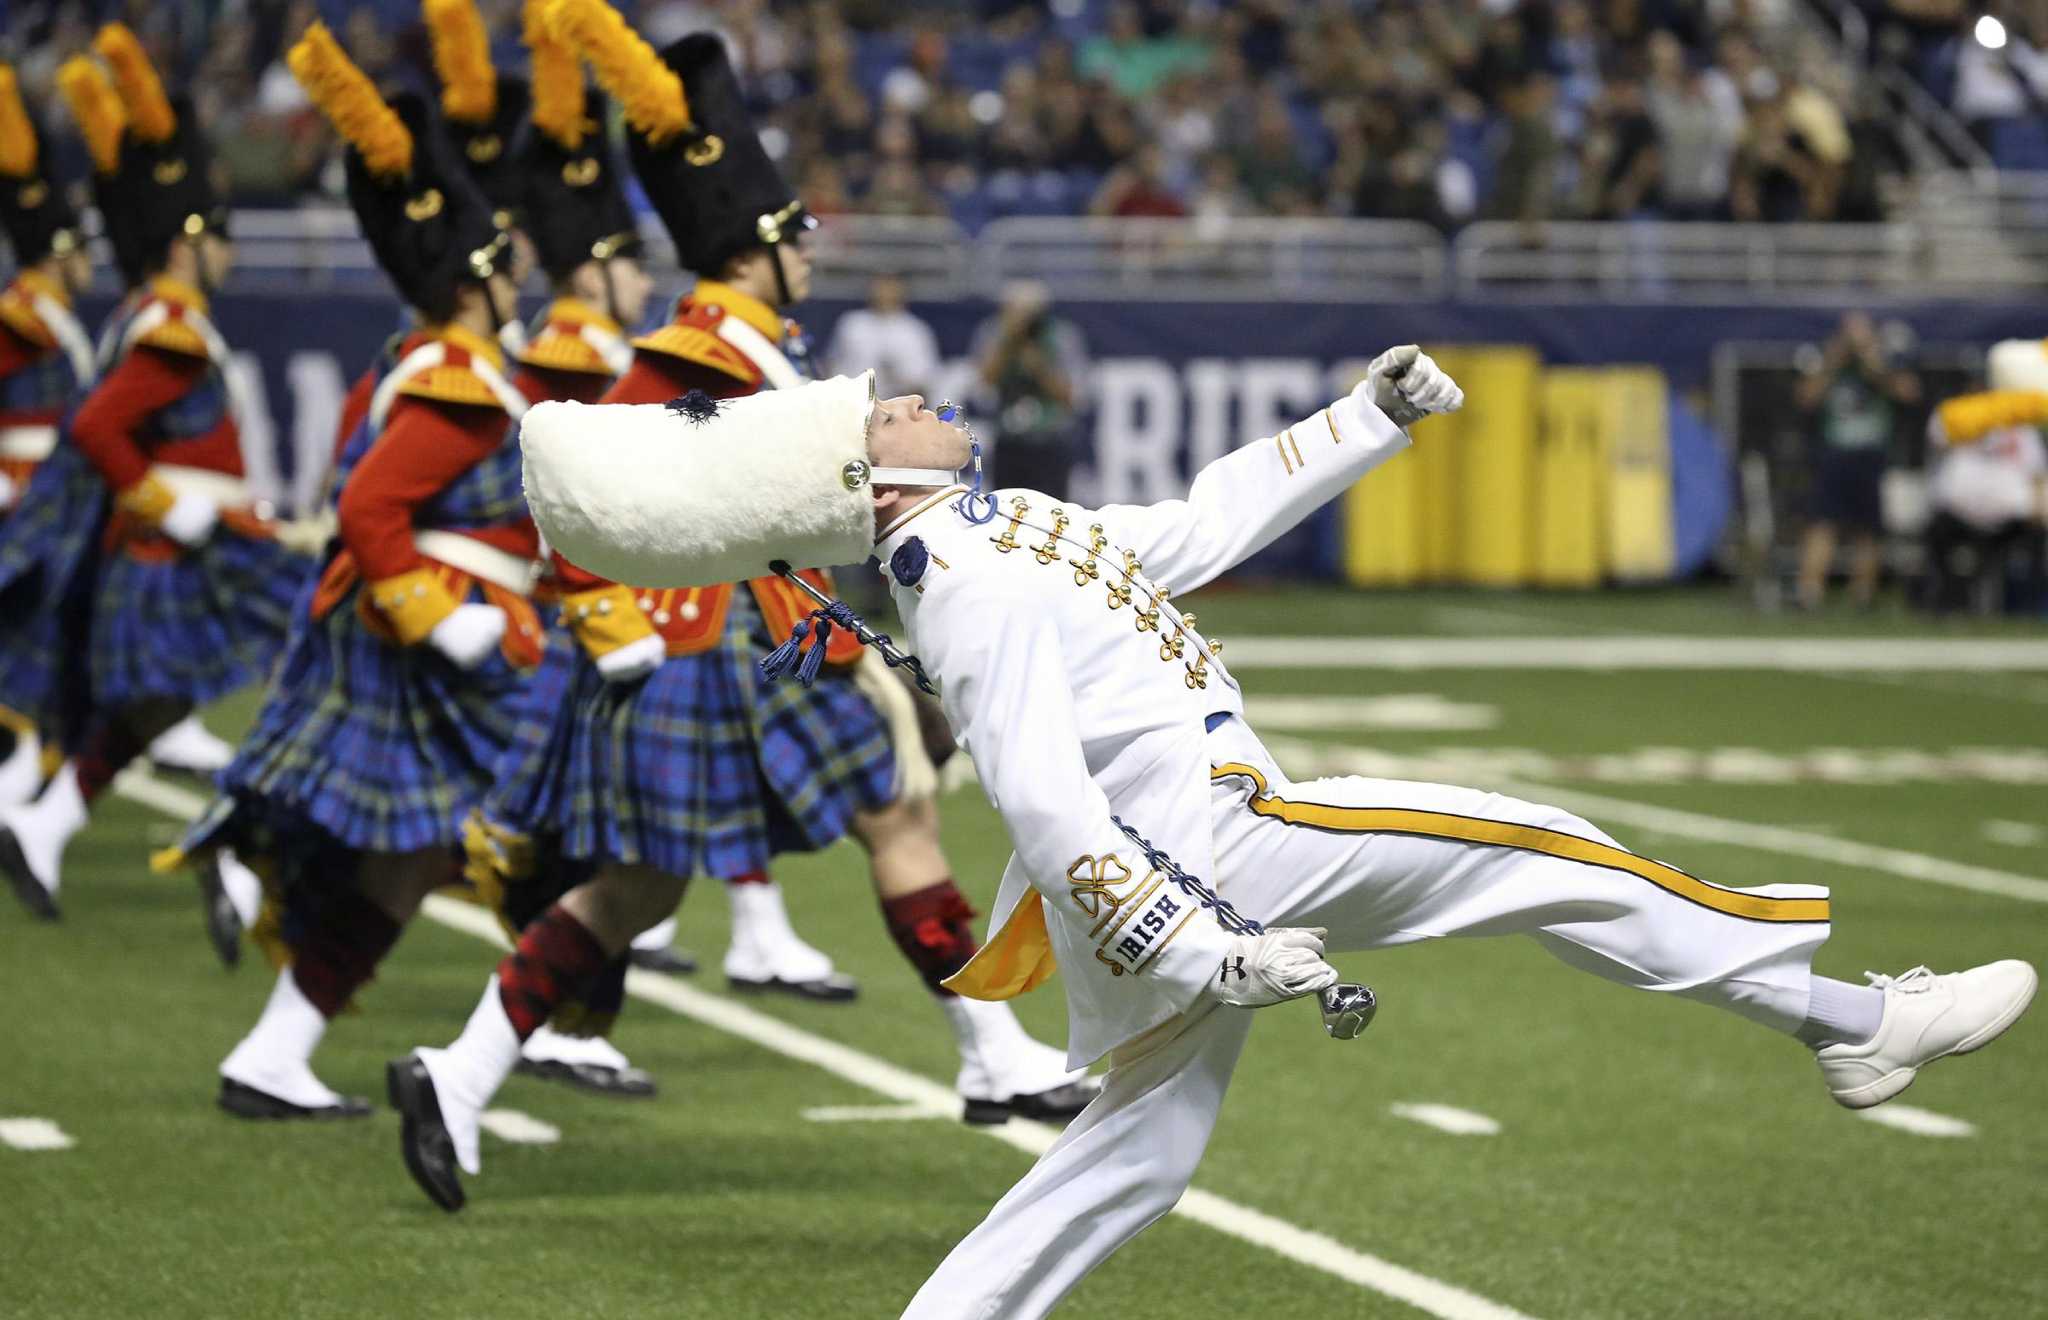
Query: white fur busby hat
[(2018, 364), (697, 491)]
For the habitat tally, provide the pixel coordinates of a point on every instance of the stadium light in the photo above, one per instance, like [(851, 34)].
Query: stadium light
[(1990, 33)]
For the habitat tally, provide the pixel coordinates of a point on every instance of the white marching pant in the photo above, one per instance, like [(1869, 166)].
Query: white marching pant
[(1378, 863)]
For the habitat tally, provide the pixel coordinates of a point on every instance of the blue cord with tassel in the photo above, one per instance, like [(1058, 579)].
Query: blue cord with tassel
[(791, 657)]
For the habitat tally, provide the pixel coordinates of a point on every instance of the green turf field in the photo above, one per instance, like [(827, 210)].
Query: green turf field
[(1652, 1158)]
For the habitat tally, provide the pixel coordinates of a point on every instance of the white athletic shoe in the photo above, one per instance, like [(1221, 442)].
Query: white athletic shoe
[(1926, 1017), (190, 746)]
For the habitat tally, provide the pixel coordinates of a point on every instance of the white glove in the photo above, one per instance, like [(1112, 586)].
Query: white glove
[(1407, 385), (1284, 963), (467, 635), (9, 492), (917, 779), (190, 519), (633, 661)]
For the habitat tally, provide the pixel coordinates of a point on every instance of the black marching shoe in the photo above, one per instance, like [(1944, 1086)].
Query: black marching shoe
[(1059, 1105), (40, 902), (627, 1081), (245, 1101), (674, 962), (423, 1137), (833, 988), (223, 923)]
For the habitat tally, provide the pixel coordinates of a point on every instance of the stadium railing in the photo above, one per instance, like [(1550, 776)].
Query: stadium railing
[(1970, 236)]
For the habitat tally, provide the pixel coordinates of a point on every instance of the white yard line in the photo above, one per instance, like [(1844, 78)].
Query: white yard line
[(1783, 654), (907, 1088), (1789, 842), (1448, 1118), (33, 1134), (1322, 758), (2012, 833), (520, 1129), (1424, 712), (1919, 1122), (877, 1113)]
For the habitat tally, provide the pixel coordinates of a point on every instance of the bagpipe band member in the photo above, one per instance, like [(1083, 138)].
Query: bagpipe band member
[(1166, 865), (192, 590), (587, 243), (697, 765), (46, 364), (396, 695)]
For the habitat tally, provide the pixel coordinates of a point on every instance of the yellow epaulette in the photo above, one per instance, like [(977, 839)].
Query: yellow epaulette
[(450, 383), (695, 344), (560, 351), (18, 314), (173, 335), (1970, 417)]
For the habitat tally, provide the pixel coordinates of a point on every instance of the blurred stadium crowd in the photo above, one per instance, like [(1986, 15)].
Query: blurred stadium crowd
[(1442, 112)]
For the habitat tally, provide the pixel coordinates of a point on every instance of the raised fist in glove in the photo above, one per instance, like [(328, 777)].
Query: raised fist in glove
[(1406, 385), (633, 661), (468, 633), (1284, 963), (190, 519)]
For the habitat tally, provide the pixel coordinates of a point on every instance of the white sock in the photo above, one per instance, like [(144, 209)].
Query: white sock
[(657, 937), (470, 1071), (276, 1056), (21, 774), (1841, 1014), (764, 944), (243, 887), (998, 1058), (44, 826)]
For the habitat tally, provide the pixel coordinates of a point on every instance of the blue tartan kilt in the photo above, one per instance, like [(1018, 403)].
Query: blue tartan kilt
[(49, 555), (377, 746), (700, 767), (195, 627)]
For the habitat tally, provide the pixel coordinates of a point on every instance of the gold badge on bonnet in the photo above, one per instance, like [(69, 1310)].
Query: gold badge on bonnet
[(485, 149), (32, 195), (425, 206), (580, 173), (168, 172), (707, 150)]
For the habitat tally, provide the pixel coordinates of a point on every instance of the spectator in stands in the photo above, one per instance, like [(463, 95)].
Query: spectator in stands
[(898, 189), (2002, 84), (1133, 62), (1777, 175), (1138, 188), (1878, 166), (1032, 367), (1697, 132), (889, 337), (1853, 394), (1525, 178), (1271, 163), (1621, 165)]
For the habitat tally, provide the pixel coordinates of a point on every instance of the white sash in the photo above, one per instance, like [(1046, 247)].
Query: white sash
[(471, 556), (425, 358), (779, 371), (70, 336)]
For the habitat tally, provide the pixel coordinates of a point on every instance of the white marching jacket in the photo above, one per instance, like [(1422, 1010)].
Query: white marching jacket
[(1081, 691)]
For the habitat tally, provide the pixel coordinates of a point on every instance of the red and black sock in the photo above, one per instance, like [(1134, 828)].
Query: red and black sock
[(557, 958), (107, 749), (748, 878), (340, 947), (931, 927)]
